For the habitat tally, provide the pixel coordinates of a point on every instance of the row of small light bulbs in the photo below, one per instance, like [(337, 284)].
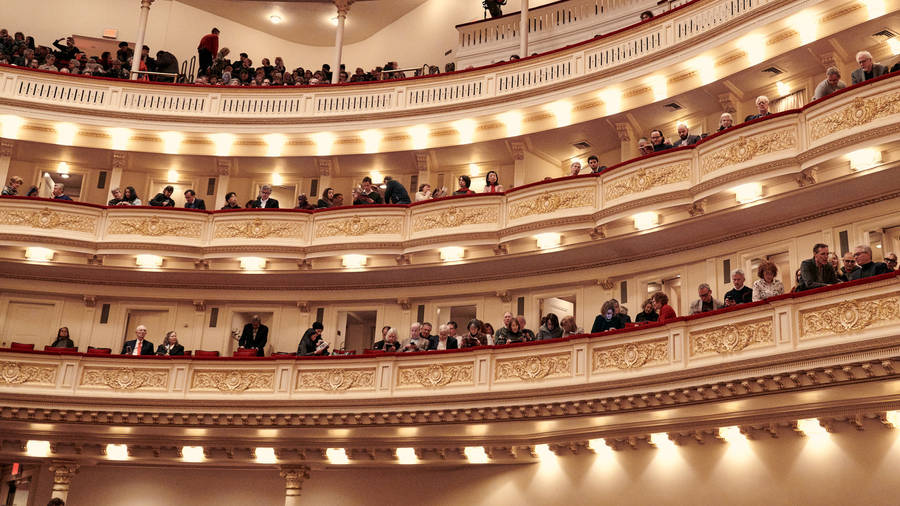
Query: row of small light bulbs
[(474, 454)]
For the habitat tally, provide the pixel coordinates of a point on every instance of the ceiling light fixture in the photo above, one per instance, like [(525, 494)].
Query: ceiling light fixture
[(275, 19), (38, 254), (476, 454), (548, 240), (354, 261), (149, 261), (265, 456), (117, 452), (192, 454), (337, 456), (647, 220), (35, 448), (407, 456), (252, 263)]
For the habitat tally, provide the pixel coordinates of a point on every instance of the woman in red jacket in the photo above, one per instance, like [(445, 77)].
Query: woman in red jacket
[(662, 307)]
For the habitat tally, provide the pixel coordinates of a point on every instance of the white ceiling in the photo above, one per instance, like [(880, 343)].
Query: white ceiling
[(307, 21)]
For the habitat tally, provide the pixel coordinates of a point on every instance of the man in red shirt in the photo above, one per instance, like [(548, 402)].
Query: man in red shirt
[(207, 49)]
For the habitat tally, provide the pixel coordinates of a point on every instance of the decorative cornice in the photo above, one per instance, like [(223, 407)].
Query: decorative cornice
[(630, 355), (860, 111), (748, 148), (534, 367), (849, 315), (335, 380), (732, 337), (125, 378), (232, 381), (548, 202), (647, 179), (436, 375)]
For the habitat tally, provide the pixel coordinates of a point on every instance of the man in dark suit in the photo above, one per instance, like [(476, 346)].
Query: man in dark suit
[(685, 137), (868, 69), (192, 202), (867, 267), (264, 202), (443, 341), (138, 346), (817, 271), (658, 141), (762, 105), (255, 335)]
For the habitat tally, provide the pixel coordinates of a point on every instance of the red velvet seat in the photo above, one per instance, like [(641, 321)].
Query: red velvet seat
[(205, 353), (98, 351), (188, 353), (244, 352), (21, 346)]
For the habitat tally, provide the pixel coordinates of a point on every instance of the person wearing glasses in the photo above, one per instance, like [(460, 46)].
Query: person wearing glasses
[(891, 261)]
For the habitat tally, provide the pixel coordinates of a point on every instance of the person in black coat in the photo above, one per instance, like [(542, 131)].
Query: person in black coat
[(449, 342), (164, 199), (170, 346), (192, 202), (389, 343), (138, 346), (62, 339), (255, 336), (607, 319), (395, 193), (684, 137), (867, 267), (817, 271), (312, 343), (263, 201), (741, 293), (659, 141)]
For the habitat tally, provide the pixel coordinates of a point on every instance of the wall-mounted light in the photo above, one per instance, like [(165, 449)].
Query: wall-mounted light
[(612, 100), (275, 19), (466, 128), (222, 143), (452, 253), (548, 240), (11, 126), (277, 180), (252, 263), (171, 142), (659, 85), (407, 456), (782, 89), (875, 8), (661, 440), (476, 455), (38, 254), (811, 427), (172, 176), (337, 456), (894, 45), (544, 452), (65, 133), (275, 143), (265, 456), (120, 138), (192, 454), (513, 122), (371, 140), (562, 110), (749, 192), (146, 261), (893, 419), (354, 261), (732, 434), (324, 142), (117, 452), (755, 46), (705, 67), (863, 159), (646, 220), (34, 448), (419, 134)]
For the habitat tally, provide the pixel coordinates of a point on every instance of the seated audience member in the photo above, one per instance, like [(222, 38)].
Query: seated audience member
[(410, 344), (648, 314), (836, 265), (817, 271), (170, 346), (420, 337), (684, 136), (607, 319), (59, 192), (831, 84), (645, 147), (891, 261), (621, 311), (338, 200), (130, 197), (231, 201), (507, 316), (192, 202), (443, 341), (706, 302), (868, 69), (659, 142), (798, 281), (646, 15), (473, 336), (263, 201), (13, 187), (424, 192), (488, 330), (843, 271), (529, 335), (575, 168), (741, 293), (569, 327), (255, 335), (550, 329), (594, 164), (368, 192), (492, 182), (726, 121), (394, 192), (464, 186), (139, 345), (63, 340), (49, 64), (762, 106), (164, 199), (662, 307), (117, 197), (511, 333), (303, 202), (767, 286), (389, 342), (312, 343), (867, 267)]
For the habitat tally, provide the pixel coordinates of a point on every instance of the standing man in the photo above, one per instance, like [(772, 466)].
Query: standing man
[(255, 335), (207, 50), (192, 202), (817, 271), (139, 345)]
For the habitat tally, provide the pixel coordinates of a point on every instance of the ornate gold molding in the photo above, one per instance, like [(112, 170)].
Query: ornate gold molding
[(357, 226), (849, 315), (258, 229), (436, 375), (154, 227), (47, 219), (549, 202), (534, 367), (858, 112), (125, 378), (456, 217), (731, 338), (17, 373), (233, 381), (630, 355), (336, 379), (647, 179), (747, 148)]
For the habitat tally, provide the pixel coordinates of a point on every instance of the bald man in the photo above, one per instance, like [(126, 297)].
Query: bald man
[(139, 345)]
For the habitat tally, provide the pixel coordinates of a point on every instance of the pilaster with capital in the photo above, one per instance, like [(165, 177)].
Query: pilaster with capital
[(7, 147), (627, 144), (63, 471), (293, 475)]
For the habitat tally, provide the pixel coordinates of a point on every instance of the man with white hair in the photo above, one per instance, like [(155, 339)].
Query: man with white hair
[(868, 69), (443, 341), (139, 345), (264, 202), (685, 137), (831, 84), (741, 293), (762, 106), (415, 341), (59, 192), (867, 267)]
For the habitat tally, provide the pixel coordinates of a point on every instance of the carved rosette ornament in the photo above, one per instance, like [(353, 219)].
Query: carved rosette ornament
[(550, 202), (849, 316), (258, 229), (456, 217), (434, 376), (647, 179), (732, 338), (357, 226), (333, 380), (16, 373), (126, 378), (748, 148), (859, 112), (47, 219), (233, 381), (534, 367), (154, 227), (630, 355)]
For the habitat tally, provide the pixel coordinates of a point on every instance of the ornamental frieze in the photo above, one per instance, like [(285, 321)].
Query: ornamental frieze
[(534, 367), (436, 375), (47, 219), (732, 338), (17, 373), (154, 226), (455, 217), (748, 148), (849, 316), (233, 381), (647, 179), (125, 378), (331, 380), (859, 112), (549, 202), (630, 355), (357, 226), (258, 229)]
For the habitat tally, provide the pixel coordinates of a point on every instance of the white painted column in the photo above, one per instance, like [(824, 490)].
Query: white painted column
[(119, 163), (343, 8), (142, 34), (6, 150), (523, 30)]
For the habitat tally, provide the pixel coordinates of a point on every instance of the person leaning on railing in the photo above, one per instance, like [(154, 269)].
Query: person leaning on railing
[(164, 199), (817, 272)]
